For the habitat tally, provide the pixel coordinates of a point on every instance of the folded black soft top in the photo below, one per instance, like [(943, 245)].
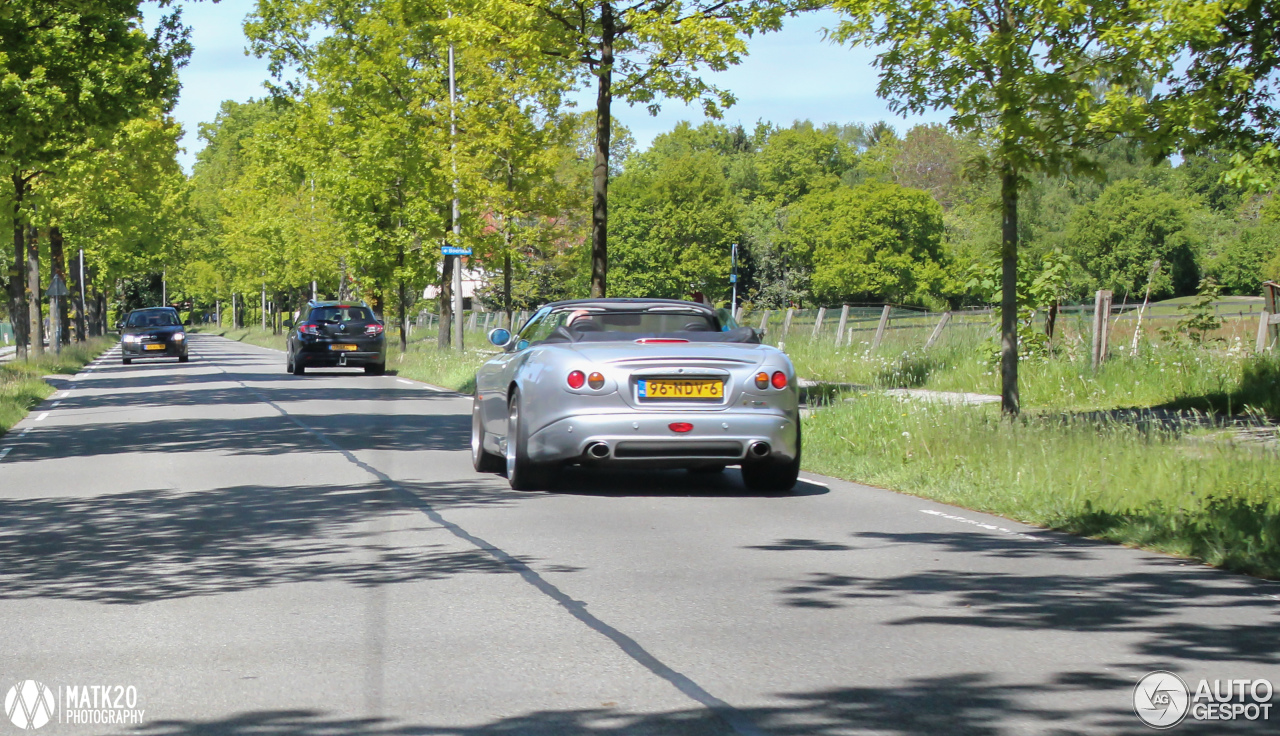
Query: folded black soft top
[(746, 335)]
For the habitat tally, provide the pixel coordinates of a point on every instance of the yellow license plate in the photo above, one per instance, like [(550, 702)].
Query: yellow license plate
[(676, 389), (344, 348), (154, 347)]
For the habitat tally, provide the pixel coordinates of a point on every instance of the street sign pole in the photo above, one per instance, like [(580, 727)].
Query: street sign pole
[(57, 290), (733, 278), (83, 322), (457, 225)]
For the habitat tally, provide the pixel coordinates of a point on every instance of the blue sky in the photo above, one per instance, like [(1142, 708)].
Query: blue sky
[(789, 75)]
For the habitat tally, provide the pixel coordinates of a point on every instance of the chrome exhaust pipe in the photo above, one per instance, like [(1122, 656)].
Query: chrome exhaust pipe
[(598, 450), (759, 450)]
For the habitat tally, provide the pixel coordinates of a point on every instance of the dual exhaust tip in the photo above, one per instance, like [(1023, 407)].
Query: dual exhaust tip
[(600, 450)]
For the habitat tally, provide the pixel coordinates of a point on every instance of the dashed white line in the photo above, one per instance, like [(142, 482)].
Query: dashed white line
[(42, 416), (815, 482), (56, 403), (4, 452), (23, 433), (401, 380), (989, 527)]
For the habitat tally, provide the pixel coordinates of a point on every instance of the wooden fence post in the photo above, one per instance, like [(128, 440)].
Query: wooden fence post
[(817, 323), (1271, 313), (471, 323), (1101, 323), (844, 318), (937, 331), (764, 322), (487, 316), (884, 322), (786, 323)]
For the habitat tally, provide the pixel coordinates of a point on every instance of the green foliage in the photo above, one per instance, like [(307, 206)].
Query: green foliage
[(1247, 260), (1199, 317), (672, 227), (873, 240), (1117, 237)]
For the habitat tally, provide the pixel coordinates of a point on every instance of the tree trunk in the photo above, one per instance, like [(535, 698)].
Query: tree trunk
[(17, 289), (35, 313), (600, 176), (446, 304), (402, 318), (80, 298), (58, 264), (1009, 293)]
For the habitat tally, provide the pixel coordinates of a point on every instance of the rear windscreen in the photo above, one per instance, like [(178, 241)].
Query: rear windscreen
[(646, 322), (342, 314)]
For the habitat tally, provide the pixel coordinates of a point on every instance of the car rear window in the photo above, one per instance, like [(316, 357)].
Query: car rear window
[(645, 322), (342, 314), (152, 319)]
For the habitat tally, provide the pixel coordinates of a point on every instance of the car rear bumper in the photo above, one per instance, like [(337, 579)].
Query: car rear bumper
[(322, 356), (729, 438)]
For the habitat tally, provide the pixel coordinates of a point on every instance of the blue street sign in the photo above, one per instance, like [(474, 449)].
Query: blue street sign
[(453, 250), (733, 278)]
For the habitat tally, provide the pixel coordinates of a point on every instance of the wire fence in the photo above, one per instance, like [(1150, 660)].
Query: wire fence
[(899, 327)]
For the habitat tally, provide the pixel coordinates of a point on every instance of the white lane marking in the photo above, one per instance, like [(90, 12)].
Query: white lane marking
[(815, 482), (56, 403), (42, 416), (23, 433), (4, 452), (401, 380), (990, 527)]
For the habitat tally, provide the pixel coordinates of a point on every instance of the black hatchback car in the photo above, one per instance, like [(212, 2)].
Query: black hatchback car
[(336, 334), (155, 332)]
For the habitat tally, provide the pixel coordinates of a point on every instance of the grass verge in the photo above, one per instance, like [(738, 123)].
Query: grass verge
[(22, 385), (1188, 494)]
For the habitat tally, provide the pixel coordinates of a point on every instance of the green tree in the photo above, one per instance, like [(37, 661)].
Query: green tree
[(71, 72), (1117, 237), (1039, 84), (1245, 261), (640, 52), (867, 243), (673, 224)]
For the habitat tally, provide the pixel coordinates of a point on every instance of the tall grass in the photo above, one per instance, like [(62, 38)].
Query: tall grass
[(1193, 494), (21, 383)]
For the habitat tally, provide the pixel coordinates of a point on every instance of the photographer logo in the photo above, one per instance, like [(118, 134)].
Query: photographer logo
[(29, 705)]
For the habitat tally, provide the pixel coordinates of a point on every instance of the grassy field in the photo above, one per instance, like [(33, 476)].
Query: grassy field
[(1195, 493), (21, 385)]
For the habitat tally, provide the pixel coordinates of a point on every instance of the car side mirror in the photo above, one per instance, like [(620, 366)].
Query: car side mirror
[(186, 321), (119, 326), (499, 336)]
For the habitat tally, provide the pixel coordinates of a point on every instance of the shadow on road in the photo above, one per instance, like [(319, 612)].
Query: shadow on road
[(619, 483), (155, 545), (959, 705)]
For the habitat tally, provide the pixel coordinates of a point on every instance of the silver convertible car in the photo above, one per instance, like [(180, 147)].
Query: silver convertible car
[(635, 383)]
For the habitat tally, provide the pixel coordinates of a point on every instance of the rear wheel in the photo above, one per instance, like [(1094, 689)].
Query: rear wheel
[(375, 369), (296, 367), (126, 361), (522, 473), (183, 358), (481, 459), (773, 477)]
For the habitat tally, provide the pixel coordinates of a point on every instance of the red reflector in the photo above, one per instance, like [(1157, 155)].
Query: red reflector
[(679, 426), (779, 379), (658, 340), (576, 379)]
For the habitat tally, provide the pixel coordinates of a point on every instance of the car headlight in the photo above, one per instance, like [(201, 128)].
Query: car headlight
[(132, 338), (179, 336)]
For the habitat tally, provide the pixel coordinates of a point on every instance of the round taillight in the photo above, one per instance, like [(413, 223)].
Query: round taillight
[(762, 380), (680, 426), (576, 379), (595, 380), (779, 379)]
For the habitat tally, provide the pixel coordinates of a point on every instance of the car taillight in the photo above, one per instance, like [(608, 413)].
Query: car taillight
[(680, 427), (779, 379), (576, 379), (660, 340), (595, 380), (373, 329), (762, 380), (309, 329)]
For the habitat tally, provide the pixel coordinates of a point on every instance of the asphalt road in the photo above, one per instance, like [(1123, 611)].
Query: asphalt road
[(257, 553)]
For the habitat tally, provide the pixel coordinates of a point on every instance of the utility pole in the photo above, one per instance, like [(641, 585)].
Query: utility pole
[(264, 305), (164, 286), (313, 290), (457, 224), (84, 313)]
